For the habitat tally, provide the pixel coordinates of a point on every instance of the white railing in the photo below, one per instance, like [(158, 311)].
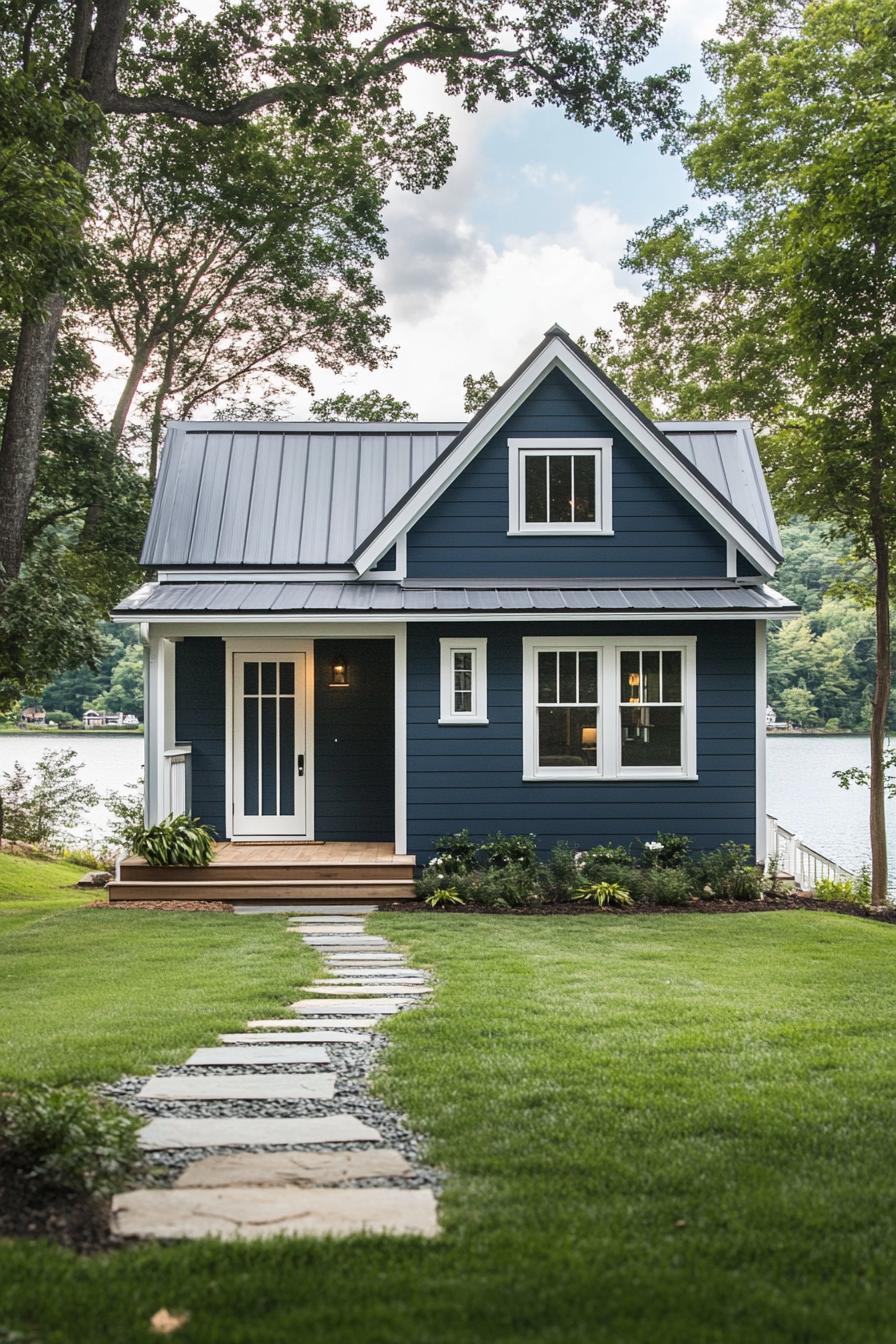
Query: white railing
[(800, 861), (177, 784)]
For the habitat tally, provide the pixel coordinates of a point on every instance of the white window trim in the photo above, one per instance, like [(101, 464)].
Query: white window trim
[(608, 765), (447, 650), (603, 524)]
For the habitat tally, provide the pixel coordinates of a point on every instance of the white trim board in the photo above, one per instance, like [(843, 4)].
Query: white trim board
[(649, 442), (172, 625), (761, 740)]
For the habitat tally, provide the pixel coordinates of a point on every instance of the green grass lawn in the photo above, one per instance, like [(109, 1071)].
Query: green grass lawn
[(33, 888), (658, 1129)]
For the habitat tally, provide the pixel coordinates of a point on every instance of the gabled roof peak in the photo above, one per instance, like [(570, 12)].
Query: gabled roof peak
[(557, 330)]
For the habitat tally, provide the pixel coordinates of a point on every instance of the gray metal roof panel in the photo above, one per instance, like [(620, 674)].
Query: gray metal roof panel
[(310, 494), (358, 598)]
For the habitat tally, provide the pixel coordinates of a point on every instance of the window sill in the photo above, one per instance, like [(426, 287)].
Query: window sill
[(461, 719), (590, 776), (561, 530)]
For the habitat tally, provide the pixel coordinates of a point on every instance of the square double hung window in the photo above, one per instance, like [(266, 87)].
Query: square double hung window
[(559, 486)]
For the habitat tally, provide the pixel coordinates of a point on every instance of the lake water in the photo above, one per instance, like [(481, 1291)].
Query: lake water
[(801, 791)]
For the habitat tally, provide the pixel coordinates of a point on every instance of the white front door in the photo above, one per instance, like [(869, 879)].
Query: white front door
[(269, 745)]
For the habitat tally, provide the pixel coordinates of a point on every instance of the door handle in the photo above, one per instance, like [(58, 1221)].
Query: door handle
[(300, 762)]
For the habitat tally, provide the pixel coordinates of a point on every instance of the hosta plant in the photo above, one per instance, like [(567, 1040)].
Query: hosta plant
[(604, 893), (181, 842), (442, 896)]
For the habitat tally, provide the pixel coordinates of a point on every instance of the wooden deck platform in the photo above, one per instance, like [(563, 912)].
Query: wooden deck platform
[(254, 871)]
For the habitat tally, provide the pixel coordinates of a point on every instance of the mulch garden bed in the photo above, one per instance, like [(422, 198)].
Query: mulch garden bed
[(792, 902), (77, 1222), (190, 907)]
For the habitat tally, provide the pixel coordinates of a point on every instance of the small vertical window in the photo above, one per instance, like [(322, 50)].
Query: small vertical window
[(463, 681), (567, 709)]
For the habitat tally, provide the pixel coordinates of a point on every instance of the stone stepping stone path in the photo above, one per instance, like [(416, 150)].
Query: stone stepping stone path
[(240, 1087), (273, 1132), (343, 1037), (238, 1213)]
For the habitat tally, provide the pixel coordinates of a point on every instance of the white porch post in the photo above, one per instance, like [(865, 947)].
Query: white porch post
[(761, 701), (401, 740), (158, 724)]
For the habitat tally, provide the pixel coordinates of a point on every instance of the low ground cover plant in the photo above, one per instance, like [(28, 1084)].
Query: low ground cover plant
[(504, 871), (66, 1139), (854, 891)]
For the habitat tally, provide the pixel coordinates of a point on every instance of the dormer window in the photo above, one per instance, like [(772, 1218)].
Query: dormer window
[(558, 486)]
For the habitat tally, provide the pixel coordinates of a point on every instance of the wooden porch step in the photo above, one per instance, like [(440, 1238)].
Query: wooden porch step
[(402, 870), (343, 889)]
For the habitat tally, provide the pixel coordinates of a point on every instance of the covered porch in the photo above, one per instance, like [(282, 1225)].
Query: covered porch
[(288, 742)]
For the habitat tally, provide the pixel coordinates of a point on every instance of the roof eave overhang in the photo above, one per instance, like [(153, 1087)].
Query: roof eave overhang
[(557, 351)]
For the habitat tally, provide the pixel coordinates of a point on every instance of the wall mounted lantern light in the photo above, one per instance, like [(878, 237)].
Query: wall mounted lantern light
[(339, 673)]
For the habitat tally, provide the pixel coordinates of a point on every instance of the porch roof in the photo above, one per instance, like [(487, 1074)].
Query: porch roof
[(287, 597)]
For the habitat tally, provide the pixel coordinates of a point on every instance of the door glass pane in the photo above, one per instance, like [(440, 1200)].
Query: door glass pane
[(268, 752), (250, 752), (650, 675), (269, 678), (672, 675), (287, 678), (630, 675), (536, 489), (250, 678), (561, 489), (651, 736), (547, 677), (568, 686), (287, 750), (584, 489), (567, 737), (588, 678)]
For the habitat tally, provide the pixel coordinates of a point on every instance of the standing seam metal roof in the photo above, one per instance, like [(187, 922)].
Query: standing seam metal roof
[(309, 494)]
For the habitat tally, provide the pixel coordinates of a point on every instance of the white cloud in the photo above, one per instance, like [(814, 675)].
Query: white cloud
[(494, 306)]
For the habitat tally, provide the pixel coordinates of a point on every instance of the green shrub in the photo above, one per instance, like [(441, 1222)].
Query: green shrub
[(431, 880), (455, 852), (853, 891), (559, 878), (728, 874), (512, 885), (593, 861), (177, 841), (604, 893), (442, 896), (505, 851), (65, 1138), (668, 850), (667, 886)]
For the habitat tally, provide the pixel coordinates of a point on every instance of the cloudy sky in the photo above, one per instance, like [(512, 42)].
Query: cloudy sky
[(528, 231)]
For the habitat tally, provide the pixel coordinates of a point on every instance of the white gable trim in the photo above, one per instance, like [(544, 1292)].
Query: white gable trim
[(556, 354)]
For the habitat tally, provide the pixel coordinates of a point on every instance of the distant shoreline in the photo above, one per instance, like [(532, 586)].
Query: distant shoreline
[(811, 732), (11, 730)]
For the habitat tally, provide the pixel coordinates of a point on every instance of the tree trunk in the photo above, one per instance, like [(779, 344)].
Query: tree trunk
[(120, 415), (880, 705), (162, 393), (25, 410), (92, 59)]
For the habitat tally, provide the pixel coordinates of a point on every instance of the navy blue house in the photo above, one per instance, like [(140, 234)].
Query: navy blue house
[(550, 619)]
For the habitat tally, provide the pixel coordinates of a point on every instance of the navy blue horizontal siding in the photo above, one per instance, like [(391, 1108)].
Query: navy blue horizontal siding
[(354, 741), (472, 775), (199, 718), (656, 532)]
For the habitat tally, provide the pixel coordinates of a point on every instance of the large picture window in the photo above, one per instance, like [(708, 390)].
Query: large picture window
[(560, 485), (609, 707)]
